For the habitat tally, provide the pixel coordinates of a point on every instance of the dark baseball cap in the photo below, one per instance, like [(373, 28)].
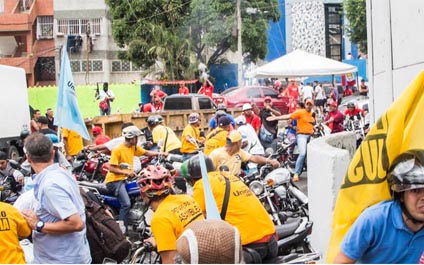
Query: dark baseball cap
[(43, 120), (224, 121)]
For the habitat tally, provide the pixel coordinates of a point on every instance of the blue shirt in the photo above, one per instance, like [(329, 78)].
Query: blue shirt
[(58, 198), (212, 122), (379, 235)]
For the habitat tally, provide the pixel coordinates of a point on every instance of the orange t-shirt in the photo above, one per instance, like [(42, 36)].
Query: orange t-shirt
[(304, 121)]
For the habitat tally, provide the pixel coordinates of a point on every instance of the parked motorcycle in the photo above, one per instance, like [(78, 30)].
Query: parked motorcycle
[(90, 166), (358, 125), (280, 197)]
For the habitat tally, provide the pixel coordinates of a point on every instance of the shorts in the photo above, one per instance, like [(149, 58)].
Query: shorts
[(319, 102)]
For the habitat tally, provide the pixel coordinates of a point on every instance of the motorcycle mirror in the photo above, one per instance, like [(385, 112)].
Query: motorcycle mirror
[(14, 164), (124, 166)]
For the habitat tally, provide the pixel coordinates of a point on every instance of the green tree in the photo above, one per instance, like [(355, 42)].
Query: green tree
[(355, 12), (182, 33)]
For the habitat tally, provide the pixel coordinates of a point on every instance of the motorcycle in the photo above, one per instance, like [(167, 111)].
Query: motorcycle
[(90, 166), (277, 192), (138, 207), (358, 125), (293, 244)]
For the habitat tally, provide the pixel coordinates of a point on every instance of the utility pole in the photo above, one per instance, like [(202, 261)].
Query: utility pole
[(239, 46)]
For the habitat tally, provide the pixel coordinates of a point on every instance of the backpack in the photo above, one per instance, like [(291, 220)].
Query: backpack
[(104, 235)]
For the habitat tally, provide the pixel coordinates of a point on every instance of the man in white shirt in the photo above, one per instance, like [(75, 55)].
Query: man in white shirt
[(307, 92), (253, 145)]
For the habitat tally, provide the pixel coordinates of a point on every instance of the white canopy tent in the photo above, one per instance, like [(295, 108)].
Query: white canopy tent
[(300, 64)]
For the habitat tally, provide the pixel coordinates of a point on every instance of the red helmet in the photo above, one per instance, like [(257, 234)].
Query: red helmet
[(155, 181)]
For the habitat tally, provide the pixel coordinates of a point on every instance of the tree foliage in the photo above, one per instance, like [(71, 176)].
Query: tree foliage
[(355, 11), (182, 33)]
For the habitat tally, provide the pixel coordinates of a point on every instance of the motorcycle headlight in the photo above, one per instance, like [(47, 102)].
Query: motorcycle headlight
[(256, 187)]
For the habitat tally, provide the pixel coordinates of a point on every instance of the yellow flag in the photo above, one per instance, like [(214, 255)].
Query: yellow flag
[(398, 130)]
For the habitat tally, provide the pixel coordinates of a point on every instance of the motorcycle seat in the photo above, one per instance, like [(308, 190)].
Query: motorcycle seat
[(287, 229), (100, 187)]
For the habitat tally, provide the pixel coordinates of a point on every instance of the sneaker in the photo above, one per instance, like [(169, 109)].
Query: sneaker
[(296, 178)]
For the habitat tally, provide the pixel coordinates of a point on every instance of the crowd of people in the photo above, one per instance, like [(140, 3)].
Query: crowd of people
[(57, 218)]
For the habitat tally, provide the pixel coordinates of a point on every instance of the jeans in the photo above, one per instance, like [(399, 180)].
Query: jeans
[(302, 142), (105, 113), (118, 187)]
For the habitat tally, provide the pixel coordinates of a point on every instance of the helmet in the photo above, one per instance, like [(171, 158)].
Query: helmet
[(246, 106), (220, 113), (24, 134), (155, 181), (193, 118), (407, 171), (190, 169), (277, 83), (221, 107), (351, 105), (154, 120), (131, 132)]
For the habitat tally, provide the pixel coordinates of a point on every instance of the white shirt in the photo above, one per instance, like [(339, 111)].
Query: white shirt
[(307, 92), (254, 146), (319, 92), (102, 94)]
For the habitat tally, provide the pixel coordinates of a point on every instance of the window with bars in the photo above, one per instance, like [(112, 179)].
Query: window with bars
[(79, 26), (81, 66), (333, 31), (124, 66), (44, 27)]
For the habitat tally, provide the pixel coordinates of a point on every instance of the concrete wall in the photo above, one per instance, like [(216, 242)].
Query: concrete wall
[(395, 49), (328, 159)]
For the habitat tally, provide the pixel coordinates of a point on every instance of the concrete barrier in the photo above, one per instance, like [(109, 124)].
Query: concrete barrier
[(328, 159)]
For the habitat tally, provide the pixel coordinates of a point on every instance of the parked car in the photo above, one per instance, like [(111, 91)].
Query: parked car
[(235, 97), (188, 102)]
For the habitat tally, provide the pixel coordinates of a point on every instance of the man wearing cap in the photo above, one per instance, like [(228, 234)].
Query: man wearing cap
[(191, 139), (334, 119), (231, 155), (268, 130), (6, 170), (59, 157), (305, 128), (220, 111), (251, 117), (250, 141), (43, 124), (99, 137), (217, 137)]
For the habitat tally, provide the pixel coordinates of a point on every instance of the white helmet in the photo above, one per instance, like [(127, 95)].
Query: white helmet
[(131, 132), (193, 118), (246, 106), (240, 120)]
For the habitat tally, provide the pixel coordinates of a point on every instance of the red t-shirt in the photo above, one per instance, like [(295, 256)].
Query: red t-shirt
[(206, 90), (149, 107), (253, 120), (356, 111), (101, 139), (293, 91), (183, 90)]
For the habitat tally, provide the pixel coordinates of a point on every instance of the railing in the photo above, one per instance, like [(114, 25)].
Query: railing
[(25, 5)]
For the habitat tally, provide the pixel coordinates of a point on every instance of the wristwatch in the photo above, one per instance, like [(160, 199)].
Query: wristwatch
[(39, 226)]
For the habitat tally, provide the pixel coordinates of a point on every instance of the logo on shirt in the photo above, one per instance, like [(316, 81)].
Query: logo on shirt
[(4, 222)]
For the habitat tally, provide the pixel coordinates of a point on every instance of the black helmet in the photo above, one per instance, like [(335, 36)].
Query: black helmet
[(407, 171), (154, 120), (190, 169), (350, 105), (24, 134)]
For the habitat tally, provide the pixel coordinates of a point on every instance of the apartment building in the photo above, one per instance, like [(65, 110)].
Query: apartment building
[(26, 38)]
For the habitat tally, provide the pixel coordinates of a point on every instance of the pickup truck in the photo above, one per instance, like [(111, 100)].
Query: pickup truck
[(193, 102)]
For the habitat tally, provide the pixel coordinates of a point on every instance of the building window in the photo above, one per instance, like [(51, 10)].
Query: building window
[(75, 66), (44, 27), (81, 66), (333, 31), (79, 26), (124, 66)]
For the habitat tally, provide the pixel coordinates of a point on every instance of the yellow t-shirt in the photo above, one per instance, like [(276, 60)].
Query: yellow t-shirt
[(12, 225), (186, 145), (215, 139), (74, 141), (159, 133), (221, 157), (244, 210), (122, 154), (171, 218)]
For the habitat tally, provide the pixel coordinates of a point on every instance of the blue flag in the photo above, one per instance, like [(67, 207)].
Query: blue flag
[(211, 208), (67, 112)]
